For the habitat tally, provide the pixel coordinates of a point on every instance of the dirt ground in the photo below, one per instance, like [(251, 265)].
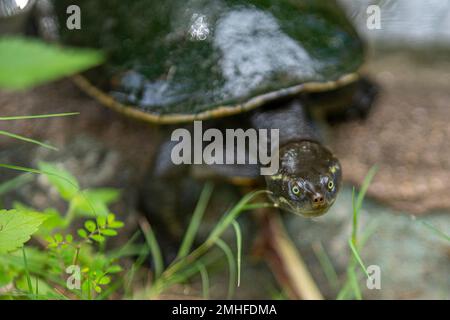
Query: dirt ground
[(407, 135)]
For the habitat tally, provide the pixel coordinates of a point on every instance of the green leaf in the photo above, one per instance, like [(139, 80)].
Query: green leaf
[(109, 232), (58, 237), (111, 218), (105, 195), (16, 228), (114, 269), (82, 233), (94, 202), (104, 280), (66, 184), (116, 224), (52, 222), (101, 221), (98, 238), (69, 238), (28, 62), (90, 226)]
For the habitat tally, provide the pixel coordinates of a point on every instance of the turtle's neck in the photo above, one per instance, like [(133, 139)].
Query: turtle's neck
[(290, 119)]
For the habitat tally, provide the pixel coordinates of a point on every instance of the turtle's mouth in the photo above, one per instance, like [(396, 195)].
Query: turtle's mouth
[(309, 211)]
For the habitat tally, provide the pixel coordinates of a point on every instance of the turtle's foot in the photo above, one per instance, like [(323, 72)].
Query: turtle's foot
[(361, 104)]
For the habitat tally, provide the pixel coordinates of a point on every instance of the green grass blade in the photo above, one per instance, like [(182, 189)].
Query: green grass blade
[(123, 251), (365, 185), (359, 200), (343, 293), (15, 183), (352, 282), (153, 245), (355, 285), (228, 218), (194, 224), (189, 270), (205, 280), (37, 287), (18, 168), (231, 266), (326, 264), (221, 226), (36, 171), (355, 217), (436, 231), (368, 232), (132, 272), (237, 231), (40, 116), (22, 138), (357, 257), (27, 273)]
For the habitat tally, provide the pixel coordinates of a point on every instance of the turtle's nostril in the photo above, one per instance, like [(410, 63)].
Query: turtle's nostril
[(318, 199)]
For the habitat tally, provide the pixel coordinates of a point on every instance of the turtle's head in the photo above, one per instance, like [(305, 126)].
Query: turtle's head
[(308, 179)]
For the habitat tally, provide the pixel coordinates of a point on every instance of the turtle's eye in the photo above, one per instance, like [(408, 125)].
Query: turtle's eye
[(295, 190), (330, 185)]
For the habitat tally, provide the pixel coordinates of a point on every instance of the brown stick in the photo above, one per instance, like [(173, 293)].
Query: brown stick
[(285, 260)]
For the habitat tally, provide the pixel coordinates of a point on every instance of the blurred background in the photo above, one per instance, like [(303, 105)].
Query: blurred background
[(407, 136)]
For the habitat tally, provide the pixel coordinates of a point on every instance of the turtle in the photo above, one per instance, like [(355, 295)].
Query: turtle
[(280, 64)]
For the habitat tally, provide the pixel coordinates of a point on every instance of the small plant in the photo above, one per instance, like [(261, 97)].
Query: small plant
[(44, 270), (66, 265), (351, 288), (190, 262)]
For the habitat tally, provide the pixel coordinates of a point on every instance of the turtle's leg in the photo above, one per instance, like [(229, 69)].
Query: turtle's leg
[(352, 102)]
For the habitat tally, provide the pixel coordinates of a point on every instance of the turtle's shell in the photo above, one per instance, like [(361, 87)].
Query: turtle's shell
[(178, 60)]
